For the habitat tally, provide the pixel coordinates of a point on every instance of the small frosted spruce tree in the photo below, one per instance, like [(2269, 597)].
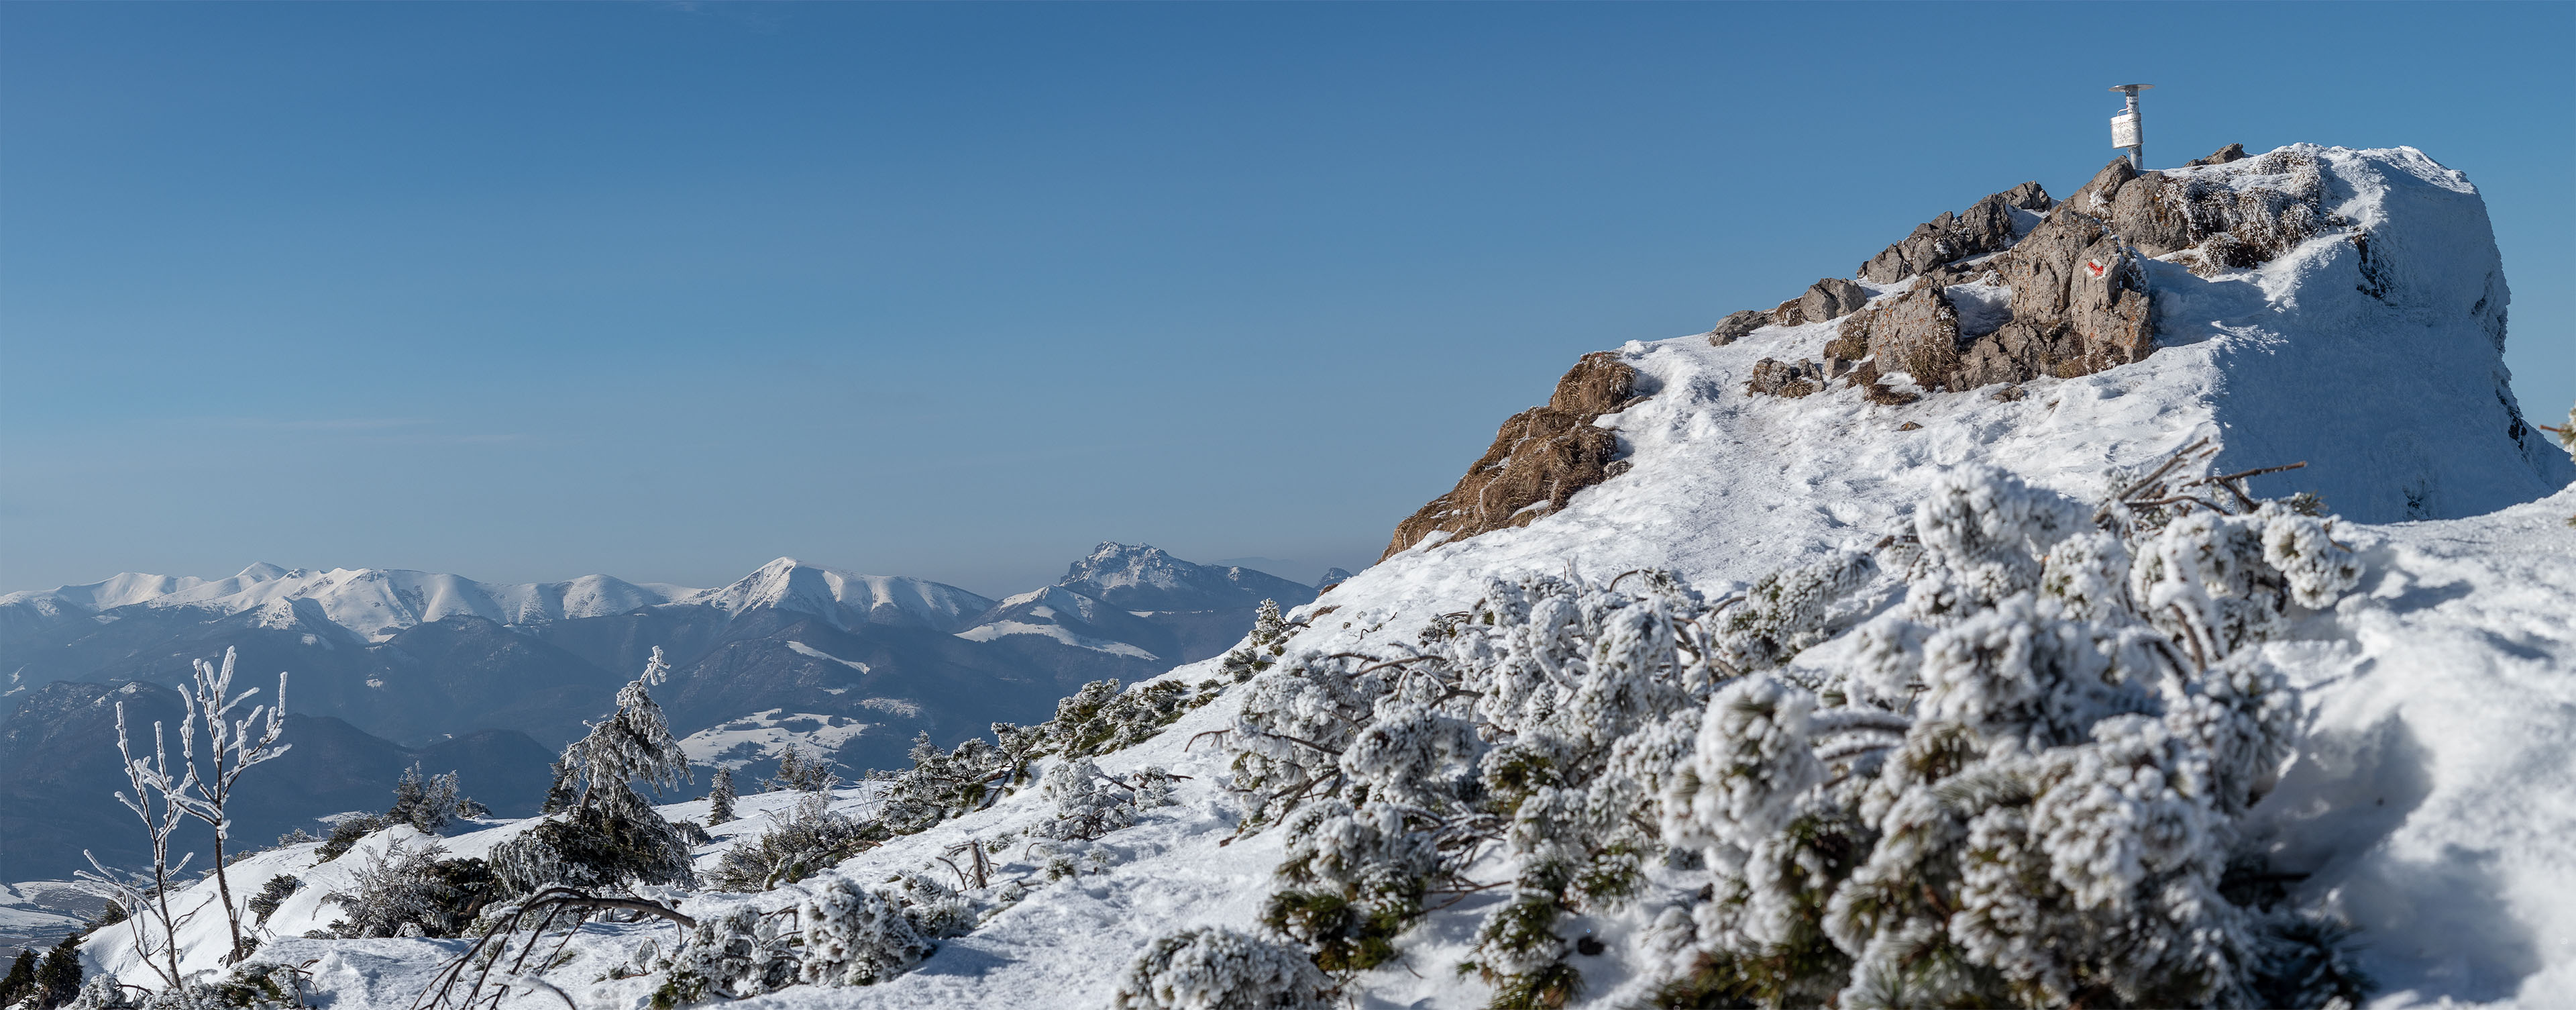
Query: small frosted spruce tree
[(610, 834)]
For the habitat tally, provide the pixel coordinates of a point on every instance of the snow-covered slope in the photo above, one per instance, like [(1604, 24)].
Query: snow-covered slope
[(1066, 616), (2427, 802)]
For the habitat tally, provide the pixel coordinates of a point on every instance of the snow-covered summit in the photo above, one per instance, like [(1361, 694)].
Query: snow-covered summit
[(1145, 577), (125, 588), (2371, 351), (373, 602), (377, 603), (845, 599)]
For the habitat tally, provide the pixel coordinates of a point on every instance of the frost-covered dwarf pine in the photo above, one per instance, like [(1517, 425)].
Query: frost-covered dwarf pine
[(2022, 785), (408, 891), (836, 934), (2014, 780), (1220, 969)]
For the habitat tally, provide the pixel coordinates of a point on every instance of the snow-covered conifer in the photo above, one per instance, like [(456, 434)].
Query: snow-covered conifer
[(634, 744), (809, 839), (1752, 761), (1789, 610), (610, 834), (720, 798), (1089, 804), (1261, 647), (1984, 532), (271, 895), (427, 804)]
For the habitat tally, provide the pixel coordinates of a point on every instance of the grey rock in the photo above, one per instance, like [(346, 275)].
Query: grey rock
[(2107, 306), (2095, 197), (2028, 196), (2231, 152), (1888, 267), (1986, 226), (1736, 325), (1774, 377), (2151, 214), (2016, 352), (1831, 298), (1788, 313), (1916, 333), (2040, 269)]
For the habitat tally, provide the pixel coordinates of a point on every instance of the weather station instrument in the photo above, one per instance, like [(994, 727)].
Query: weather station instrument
[(2124, 127)]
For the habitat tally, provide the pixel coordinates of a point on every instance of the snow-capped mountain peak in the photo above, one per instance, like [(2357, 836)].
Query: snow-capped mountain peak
[(845, 599), (1145, 577)]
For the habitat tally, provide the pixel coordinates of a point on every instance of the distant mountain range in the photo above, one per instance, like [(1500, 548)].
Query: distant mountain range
[(851, 666)]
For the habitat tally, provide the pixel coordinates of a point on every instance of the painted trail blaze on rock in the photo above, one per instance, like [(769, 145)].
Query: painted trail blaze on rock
[(1539, 459)]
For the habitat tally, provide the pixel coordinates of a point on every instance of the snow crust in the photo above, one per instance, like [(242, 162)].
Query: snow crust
[(2432, 801)]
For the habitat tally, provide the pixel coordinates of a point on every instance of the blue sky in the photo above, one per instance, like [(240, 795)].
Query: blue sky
[(527, 291)]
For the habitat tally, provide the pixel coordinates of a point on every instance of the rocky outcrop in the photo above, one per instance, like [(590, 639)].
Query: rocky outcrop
[(1792, 379), (1916, 333), (2231, 152), (1735, 326), (1539, 459), (2094, 197), (1831, 298), (1986, 226), (2227, 225), (2079, 301)]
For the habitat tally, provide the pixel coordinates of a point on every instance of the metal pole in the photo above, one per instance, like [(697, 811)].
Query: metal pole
[(2137, 151)]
